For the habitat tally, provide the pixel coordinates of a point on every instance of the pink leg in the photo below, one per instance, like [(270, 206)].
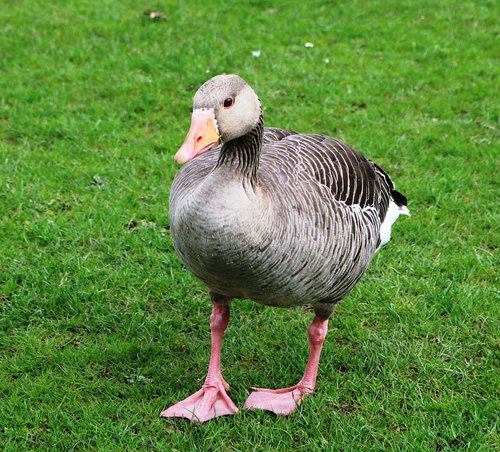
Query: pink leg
[(285, 401), (211, 400)]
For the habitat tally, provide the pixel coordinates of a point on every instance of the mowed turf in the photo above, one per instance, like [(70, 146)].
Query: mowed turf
[(101, 327)]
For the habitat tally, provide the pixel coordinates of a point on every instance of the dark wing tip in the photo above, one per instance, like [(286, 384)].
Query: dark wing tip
[(399, 198)]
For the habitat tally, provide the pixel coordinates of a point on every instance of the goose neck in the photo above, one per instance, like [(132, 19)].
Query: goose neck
[(242, 154)]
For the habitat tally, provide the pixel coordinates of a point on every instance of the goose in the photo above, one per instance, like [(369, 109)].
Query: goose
[(278, 217)]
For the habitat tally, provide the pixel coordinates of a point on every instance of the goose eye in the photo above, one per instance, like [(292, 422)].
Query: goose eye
[(228, 102)]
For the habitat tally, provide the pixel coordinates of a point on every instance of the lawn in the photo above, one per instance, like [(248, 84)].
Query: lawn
[(101, 327)]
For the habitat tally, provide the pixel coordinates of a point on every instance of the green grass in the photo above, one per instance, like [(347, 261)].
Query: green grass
[(101, 327)]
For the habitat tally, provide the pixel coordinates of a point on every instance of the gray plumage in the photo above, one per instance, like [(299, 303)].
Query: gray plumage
[(279, 217)]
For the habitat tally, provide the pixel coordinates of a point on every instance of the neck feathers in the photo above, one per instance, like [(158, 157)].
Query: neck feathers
[(242, 154)]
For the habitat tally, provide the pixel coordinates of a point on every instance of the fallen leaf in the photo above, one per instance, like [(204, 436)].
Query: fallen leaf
[(156, 15)]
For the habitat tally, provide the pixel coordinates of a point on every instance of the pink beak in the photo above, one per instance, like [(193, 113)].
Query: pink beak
[(202, 136)]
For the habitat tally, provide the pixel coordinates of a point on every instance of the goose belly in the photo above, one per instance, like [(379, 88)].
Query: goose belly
[(243, 254)]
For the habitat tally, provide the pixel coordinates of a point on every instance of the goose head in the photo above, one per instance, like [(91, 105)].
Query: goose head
[(224, 108)]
